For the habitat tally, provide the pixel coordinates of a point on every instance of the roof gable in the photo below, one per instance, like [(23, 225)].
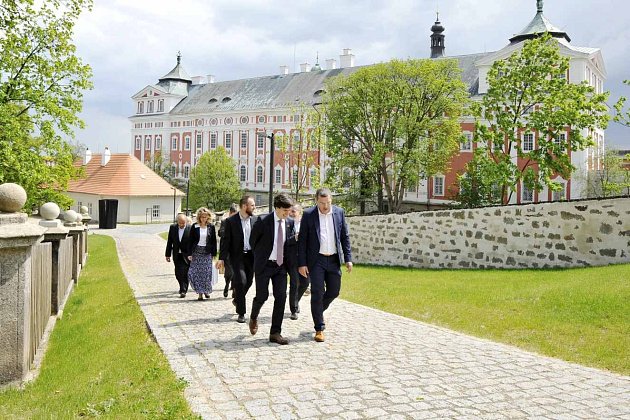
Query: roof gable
[(149, 91)]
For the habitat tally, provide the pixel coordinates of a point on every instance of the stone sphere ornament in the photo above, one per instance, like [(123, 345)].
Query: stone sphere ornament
[(79, 218), (12, 197), (49, 211), (84, 210), (70, 216)]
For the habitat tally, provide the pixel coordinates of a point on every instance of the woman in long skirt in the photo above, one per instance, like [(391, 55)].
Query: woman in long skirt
[(203, 246)]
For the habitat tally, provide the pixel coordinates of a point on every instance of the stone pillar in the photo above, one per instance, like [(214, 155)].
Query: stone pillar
[(16, 240)]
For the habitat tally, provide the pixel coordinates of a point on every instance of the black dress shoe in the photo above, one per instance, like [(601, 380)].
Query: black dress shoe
[(207, 295), (225, 293), (182, 295), (240, 319), (253, 326), (277, 338), (234, 302), (294, 316), (200, 297)]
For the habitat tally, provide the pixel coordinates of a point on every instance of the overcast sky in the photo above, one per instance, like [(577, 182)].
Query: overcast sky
[(131, 44)]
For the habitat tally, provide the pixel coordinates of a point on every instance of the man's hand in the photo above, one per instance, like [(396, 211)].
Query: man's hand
[(303, 271), (219, 264), (190, 258), (349, 266), (168, 259)]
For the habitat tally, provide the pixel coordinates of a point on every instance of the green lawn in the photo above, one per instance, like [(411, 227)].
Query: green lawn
[(101, 360), (164, 235), (580, 315)]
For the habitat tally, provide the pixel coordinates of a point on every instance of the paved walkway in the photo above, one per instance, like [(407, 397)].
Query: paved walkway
[(372, 365)]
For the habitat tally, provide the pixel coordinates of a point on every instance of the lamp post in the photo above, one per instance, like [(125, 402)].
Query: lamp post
[(272, 146), (174, 210), (187, 194)]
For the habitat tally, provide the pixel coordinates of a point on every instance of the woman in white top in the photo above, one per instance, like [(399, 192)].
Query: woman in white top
[(203, 246)]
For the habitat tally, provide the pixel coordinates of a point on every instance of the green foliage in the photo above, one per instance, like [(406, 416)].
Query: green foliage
[(612, 180), (621, 116), (41, 91), (529, 93), (581, 315), (101, 360), (475, 187), (392, 124), (214, 182)]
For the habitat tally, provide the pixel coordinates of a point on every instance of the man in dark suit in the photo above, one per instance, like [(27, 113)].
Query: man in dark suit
[(269, 242), (297, 283), (177, 246), (235, 248), (323, 246), (228, 273)]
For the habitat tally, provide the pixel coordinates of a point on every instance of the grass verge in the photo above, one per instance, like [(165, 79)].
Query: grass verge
[(164, 235), (579, 315), (101, 361)]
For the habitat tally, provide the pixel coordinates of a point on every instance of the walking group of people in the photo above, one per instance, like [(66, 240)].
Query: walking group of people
[(308, 247)]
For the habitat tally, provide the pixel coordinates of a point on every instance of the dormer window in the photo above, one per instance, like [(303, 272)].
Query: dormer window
[(226, 99), (213, 100), (140, 107), (160, 105)]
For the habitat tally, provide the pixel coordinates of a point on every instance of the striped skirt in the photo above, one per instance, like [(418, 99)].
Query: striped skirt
[(200, 271)]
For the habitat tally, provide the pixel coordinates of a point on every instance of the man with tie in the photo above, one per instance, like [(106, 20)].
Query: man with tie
[(298, 284), (269, 243), (323, 246), (177, 245), (235, 248)]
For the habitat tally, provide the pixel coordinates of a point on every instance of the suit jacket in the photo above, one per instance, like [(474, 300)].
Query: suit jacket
[(291, 256), (261, 240), (308, 239), (173, 244), (211, 241), (232, 242)]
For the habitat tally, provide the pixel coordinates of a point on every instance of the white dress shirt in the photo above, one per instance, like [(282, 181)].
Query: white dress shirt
[(246, 225), (274, 251), (203, 236), (327, 242)]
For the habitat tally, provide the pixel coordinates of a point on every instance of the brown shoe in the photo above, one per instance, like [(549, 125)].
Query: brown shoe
[(253, 326), (319, 336), (277, 338)]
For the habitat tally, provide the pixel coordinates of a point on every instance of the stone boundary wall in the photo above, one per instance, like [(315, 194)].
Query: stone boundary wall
[(544, 235)]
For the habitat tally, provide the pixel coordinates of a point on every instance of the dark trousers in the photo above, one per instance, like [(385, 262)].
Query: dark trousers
[(228, 273), (325, 286), (278, 276), (181, 271), (297, 286), (242, 279)]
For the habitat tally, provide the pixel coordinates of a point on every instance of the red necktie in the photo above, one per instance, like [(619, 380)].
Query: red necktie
[(280, 245)]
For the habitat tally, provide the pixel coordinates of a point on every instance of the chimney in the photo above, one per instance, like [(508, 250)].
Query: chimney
[(198, 80), (331, 63), (346, 59), (305, 67), (284, 70), (210, 78), (87, 156), (106, 156)]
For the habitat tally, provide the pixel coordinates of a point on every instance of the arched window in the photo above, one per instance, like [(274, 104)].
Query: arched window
[(243, 173), (160, 105), (259, 174), (140, 107)]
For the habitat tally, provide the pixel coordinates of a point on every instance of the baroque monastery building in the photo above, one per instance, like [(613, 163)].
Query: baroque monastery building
[(182, 117)]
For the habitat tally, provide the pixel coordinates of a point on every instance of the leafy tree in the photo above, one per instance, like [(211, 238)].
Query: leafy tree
[(214, 182), (41, 92), (620, 116), (529, 93), (394, 123), (612, 180), (475, 187)]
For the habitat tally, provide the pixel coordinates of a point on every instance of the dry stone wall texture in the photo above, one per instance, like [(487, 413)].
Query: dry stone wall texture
[(545, 235)]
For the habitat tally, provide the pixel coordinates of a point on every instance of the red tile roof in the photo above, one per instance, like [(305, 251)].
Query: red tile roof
[(123, 175)]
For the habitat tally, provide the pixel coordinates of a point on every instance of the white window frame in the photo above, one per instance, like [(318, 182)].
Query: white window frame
[(158, 142), (173, 143), (186, 171), (527, 144), (228, 140), (187, 143), (138, 143), (560, 139), (527, 195), (147, 142), (244, 137), (261, 141), (259, 174), (213, 140), (278, 176), (199, 142), (140, 107), (560, 195), (467, 145), (160, 105), (155, 211), (439, 182), (89, 206), (242, 173), (149, 107)]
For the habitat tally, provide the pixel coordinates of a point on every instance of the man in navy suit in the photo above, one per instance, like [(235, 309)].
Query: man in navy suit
[(177, 246), (268, 240), (323, 246), (235, 248)]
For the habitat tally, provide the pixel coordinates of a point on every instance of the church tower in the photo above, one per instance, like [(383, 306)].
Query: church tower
[(437, 38)]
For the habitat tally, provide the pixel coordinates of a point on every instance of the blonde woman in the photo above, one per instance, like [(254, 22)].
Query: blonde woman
[(203, 246)]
